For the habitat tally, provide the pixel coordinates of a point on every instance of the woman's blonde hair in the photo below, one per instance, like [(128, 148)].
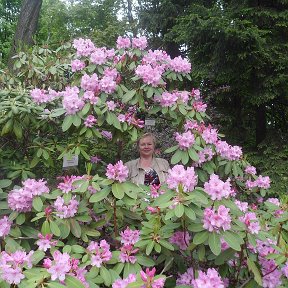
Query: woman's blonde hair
[(145, 136)]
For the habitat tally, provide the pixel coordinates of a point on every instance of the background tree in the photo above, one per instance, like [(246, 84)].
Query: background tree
[(26, 26)]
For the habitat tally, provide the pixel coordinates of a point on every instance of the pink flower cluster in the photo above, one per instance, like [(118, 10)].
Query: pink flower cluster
[(215, 221), (250, 170), (150, 75), (274, 201), (5, 226), (148, 278), (12, 264), (59, 266), (129, 236), (181, 239), (67, 185), (123, 42), (185, 140), (45, 242), (90, 83), (179, 176), (119, 283), (186, 278), (205, 155), (218, 189), (84, 47), (42, 96), (260, 182), (118, 172), (100, 253), (107, 134), (100, 55), (199, 106), (209, 279), (64, 210), (90, 121), (77, 65), (251, 222), (21, 199), (127, 254), (243, 206), (169, 99), (71, 102), (227, 151), (210, 135), (157, 58), (180, 65), (139, 43)]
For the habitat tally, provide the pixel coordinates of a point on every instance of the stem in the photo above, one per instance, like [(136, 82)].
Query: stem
[(115, 219)]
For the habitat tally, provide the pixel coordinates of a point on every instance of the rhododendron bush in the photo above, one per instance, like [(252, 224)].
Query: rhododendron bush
[(195, 230)]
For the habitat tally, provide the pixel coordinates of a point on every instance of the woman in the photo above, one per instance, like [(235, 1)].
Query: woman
[(147, 169)]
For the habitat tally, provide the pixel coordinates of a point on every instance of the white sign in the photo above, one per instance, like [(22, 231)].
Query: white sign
[(70, 160), (150, 122)]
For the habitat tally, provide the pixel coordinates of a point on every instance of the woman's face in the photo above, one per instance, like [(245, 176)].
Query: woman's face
[(146, 147)]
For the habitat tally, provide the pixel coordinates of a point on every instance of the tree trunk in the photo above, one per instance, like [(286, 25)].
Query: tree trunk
[(261, 128), (26, 27)]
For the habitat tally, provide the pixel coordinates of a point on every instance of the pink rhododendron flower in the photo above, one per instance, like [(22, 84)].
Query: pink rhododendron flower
[(167, 99), (129, 236), (35, 187), (107, 135), (243, 206), (123, 42), (71, 102), (227, 151), (77, 65), (90, 121), (119, 283), (60, 266), (210, 135), (157, 58), (107, 84), (217, 189), (121, 118), (150, 75), (148, 277), (250, 170), (199, 106), (95, 159), (191, 125), (111, 105), (45, 242), (67, 183), (118, 171), (100, 253), (205, 155), (274, 201), (285, 270), (181, 239), (98, 56), (215, 221), (127, 254), (66, 210), (186, 278), (12, 264), (178, 64), (89, 96), (84, 47), (209, 279), (179, 176), (90, 83), (5, 226), (195, 93), (42, 96), (251, 221), (185, 140), (260, 182), (140, 42)]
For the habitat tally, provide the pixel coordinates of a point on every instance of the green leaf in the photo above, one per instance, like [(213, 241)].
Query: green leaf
[(75, 228), (145, 261), (150, 247), (190, 213), (214, 243), (179, 210), (232, 240), (20, 219), (29, 231), (193, 154), (55, 229), (166, 244), (177, 157), (118, 191), (104, 273), (5, 183), (37, 256), (55, 285), (98, 196), (45, 229), (73, 282), (65, 229), (76, 120), (37, 203), (171, 149), (68, 120), (254, 269), (200, 237), (196, 227), (224, 256), (128, 96), (228, 168)]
